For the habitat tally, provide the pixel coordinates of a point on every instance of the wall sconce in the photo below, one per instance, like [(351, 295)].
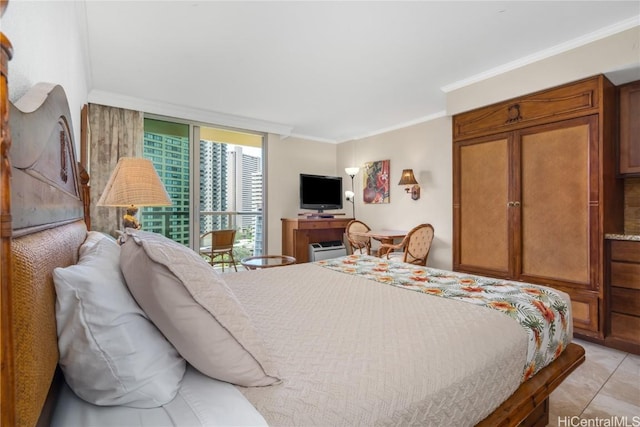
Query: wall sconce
[(350, 195), (408, 179), (134, 182)]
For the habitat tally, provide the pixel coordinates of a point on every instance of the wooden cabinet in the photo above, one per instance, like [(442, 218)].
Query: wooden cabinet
[(629, 160), (535, 190), (298, 233), (624, 295)]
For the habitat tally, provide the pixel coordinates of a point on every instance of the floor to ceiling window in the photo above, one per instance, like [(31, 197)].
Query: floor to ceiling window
[(226, 192), (231, 182)]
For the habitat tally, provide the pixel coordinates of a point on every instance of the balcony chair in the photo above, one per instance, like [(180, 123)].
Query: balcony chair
[(414, 248), (217, 246)]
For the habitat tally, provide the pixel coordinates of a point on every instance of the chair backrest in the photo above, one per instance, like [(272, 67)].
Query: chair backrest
[(358, 242), (218, 239), (418, 244), (223, 239)]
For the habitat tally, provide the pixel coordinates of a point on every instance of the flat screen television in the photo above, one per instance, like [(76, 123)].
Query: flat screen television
[(320, 192)]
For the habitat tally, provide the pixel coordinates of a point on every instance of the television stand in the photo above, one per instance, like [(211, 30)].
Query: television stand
[(298, 233), (320, 214)]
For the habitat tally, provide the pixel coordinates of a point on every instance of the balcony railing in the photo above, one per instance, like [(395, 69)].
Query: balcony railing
[(175, 225)]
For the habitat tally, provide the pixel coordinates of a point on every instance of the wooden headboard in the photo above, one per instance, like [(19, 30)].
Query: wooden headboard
[(42, 226)]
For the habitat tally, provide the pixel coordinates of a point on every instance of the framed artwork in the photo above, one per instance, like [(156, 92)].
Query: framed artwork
[(376, 182)]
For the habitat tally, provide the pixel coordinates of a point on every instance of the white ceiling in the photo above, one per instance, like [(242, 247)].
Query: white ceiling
[(329, 70)]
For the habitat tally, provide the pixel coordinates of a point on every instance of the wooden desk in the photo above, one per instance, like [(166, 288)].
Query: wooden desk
[(383, 236), (298, 233)]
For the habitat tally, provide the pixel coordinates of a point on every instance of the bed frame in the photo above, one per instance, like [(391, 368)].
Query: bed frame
[(43, 204)]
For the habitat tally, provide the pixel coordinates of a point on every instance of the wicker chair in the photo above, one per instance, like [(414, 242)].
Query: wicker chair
[(414, 248), (217, 246), (358, 244)]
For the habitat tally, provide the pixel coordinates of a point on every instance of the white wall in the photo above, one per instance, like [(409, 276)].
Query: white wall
[(48, 47), (286, 159), (425, 148)]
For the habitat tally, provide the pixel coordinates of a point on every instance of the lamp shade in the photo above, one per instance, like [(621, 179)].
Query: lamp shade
[(134, 181), (351, 171), (407, 178)]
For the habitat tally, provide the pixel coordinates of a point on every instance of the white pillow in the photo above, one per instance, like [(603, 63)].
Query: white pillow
[(110, 353), (92, 238), (195, 309)]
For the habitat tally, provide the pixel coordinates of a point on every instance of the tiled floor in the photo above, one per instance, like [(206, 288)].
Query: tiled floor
[(605, 389)]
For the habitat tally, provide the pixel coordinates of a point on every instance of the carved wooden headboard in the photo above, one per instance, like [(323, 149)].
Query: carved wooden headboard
[(42, 226)]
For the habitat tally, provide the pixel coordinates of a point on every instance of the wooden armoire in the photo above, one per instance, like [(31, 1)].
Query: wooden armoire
[(535, 190)]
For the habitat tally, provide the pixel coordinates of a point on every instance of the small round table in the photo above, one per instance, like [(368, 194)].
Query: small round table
[(267, 261)]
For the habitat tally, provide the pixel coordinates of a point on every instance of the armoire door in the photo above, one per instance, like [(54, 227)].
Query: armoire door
[(525, 204), (535, 192), (558, 220), (481, 215)]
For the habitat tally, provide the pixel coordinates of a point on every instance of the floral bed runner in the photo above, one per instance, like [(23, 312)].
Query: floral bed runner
[(541, 311)]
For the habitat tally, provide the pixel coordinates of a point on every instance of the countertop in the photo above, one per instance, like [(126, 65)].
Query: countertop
[(632, 237)]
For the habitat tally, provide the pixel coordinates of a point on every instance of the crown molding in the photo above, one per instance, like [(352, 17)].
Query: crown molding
[(546, 53), (313, 138), (187, 113), (419, 120)]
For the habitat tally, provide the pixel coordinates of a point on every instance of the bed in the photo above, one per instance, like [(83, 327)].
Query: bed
[(351, 341)]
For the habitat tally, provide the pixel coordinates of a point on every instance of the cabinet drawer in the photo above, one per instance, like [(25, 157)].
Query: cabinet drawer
[(320, 224), (625, 301), (585, 312), (572, 100), (625, 275), (625, 327), (625, 251), (313, 225)]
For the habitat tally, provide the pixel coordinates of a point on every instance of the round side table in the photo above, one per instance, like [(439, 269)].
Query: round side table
[(266, 261)]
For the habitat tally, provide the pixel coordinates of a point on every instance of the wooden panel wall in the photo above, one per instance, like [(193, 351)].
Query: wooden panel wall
[(632, 206)]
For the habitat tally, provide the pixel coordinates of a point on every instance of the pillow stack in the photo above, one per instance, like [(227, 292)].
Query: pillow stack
[(128, 316), (110, 352)]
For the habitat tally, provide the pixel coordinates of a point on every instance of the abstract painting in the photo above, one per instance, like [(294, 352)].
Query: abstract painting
[(376, 182)]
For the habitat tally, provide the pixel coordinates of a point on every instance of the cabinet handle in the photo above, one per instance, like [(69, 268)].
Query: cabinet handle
[(509, 204), (516, 204)]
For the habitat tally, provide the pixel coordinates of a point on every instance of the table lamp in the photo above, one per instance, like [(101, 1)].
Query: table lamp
[(134, 182)]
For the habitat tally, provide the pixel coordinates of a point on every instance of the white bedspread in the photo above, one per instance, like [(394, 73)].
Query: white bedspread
[(201, 401), (352, 351)]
